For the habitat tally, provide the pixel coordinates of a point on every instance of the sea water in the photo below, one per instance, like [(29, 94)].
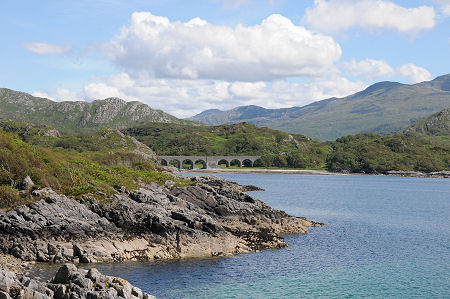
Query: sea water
[(385, 237)]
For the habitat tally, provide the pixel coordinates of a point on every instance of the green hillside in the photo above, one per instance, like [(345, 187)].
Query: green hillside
[(372, 153), (276, 148), (437, 124), (382, 108), (368, 153), (111, 113), (71, 166)]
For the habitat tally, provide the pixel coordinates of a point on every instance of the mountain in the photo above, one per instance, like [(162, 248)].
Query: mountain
[(112, 113), (382, 108), (437, 124)]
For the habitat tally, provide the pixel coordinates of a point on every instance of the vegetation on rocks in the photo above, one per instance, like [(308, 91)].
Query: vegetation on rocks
[(436, 125), (75, 165)]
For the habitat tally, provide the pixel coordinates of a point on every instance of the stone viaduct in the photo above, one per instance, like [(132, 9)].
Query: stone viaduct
[(209, 161)]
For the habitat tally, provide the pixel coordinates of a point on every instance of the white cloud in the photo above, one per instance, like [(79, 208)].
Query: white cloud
[(415, 73), (369, 68), (340, 15), (100, 91), (59, 94), (444, 6), (43, 48), (185, 98), (41, 94), (375, 69), (154, 47)]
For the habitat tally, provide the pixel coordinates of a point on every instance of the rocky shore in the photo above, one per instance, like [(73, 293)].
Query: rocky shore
[(68, 282), (214, 217)]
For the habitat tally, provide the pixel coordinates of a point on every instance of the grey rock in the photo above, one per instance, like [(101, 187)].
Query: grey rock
[(94, 275), (6, 281), (64, 273), (60, 291), (62, 230), (27, 183), (83, 282), (137, 292), (4, 295)]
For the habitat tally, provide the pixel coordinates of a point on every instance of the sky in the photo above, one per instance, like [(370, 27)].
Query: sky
[(184, 57)]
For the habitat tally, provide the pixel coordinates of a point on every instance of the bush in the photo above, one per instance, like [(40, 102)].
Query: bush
[(9, 197)]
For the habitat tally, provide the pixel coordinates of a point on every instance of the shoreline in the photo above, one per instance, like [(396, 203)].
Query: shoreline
[(211, 217), (261, 171), (440, 174)]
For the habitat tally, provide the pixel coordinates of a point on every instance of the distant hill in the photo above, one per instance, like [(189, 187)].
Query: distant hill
[(437, 124), (382, 108), (368, 153), (111, 113), (276, 148)]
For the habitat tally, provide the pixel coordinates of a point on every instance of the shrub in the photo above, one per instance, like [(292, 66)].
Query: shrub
[(9, 197)]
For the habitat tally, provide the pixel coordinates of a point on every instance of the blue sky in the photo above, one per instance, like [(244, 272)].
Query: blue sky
[(187, 56)]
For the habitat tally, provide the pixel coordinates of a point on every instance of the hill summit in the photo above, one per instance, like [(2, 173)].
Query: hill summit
[(382, 108), (76, 116)]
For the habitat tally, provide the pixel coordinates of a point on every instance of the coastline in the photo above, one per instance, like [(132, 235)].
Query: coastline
[(261, 171), (212, 217), (440, 174)]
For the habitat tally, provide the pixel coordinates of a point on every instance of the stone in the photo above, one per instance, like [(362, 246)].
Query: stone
[(35, 286), (94, 275), (4, 295), (78, 284), (60, 291), (169, 184), (52, 133), (27, 183), (83, 282), (6, 280), (136, 292), (64, 273)]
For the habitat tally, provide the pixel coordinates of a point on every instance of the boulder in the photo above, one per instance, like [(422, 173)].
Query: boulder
[(27, 183)]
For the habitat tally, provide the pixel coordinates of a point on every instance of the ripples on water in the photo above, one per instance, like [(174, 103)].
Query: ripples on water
[(385, 237)]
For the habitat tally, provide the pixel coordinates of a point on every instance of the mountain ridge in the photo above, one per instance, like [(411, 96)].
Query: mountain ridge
[(383, 108), (114, 113)]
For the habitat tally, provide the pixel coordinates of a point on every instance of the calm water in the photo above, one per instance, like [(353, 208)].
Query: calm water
[(387, 237)]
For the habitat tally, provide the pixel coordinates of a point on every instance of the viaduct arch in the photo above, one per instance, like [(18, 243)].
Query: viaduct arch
[(209, 161)]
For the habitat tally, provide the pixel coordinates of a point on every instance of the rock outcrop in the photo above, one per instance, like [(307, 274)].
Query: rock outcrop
[(211, 218), (68, 282)]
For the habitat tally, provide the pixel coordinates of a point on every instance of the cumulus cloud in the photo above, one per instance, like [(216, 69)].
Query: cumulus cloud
[(369, 68), (155, 47), (43, 48), (59, 94), (415, 73), (375, 69), (340, 15), (184, 98)]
